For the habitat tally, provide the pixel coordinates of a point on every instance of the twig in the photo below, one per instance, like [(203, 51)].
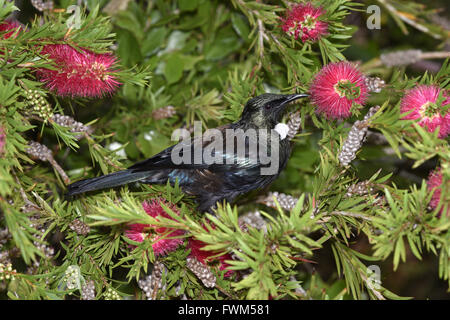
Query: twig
[(409, 21), (60, 170), (378, 62), (23, 194), (260, 38), (43, 153), (369, 286), (435, 55)]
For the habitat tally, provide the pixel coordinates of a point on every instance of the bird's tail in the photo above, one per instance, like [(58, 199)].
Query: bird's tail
[(108, 181)]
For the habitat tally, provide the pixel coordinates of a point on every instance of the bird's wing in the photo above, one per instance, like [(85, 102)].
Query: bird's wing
[(221, 160)]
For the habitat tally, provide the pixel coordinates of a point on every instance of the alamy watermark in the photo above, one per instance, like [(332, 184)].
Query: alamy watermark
[(228, 146), (74, 21), (374, 20), (374, 279)]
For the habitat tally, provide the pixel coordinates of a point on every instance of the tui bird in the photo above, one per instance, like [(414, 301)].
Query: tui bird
[(231, 172)]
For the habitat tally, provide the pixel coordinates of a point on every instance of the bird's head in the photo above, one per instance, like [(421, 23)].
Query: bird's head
[(267, 109)]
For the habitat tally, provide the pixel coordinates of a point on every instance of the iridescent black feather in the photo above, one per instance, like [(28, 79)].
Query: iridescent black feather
[(236, 174)]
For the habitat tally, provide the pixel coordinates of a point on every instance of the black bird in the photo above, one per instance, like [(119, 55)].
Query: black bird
[(234, 171)]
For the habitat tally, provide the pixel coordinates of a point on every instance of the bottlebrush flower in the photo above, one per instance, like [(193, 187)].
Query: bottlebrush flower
[(205, 256), (423, 101), (303, 21), (434, 182), (9, 25), (160, 236), (336, 88), (78, 74)]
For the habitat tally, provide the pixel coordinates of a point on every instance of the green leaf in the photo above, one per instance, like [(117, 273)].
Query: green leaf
[(187, 5), (153, 40), (127, 20), (189, 62), (240, 26), (126, 41), (225, 42), (399, 252), (173, 69)]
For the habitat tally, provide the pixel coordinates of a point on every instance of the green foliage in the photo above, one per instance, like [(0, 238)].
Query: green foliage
[(206, 59)]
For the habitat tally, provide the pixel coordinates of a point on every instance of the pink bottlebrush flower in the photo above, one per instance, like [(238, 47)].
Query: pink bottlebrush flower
[(9, 25), (137, 232), (303, 21), (336, 88), (434, 182), (161, 237), (205, 256), (422, 101), (78, 74)]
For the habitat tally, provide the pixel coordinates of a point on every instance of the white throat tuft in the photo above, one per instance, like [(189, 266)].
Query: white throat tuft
[(282, 129)]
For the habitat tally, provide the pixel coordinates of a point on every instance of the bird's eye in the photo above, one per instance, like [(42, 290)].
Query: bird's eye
[(272, 104)]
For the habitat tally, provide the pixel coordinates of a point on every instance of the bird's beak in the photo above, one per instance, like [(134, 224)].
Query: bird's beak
[(292, 97)]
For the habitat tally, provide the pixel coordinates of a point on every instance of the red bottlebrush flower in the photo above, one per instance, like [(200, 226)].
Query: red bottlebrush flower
[(434, 182), (303, 21), (9, 25), (205, 256), (78, 74), (137, 232), (161, 237), (336, 88), (423, 101)]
